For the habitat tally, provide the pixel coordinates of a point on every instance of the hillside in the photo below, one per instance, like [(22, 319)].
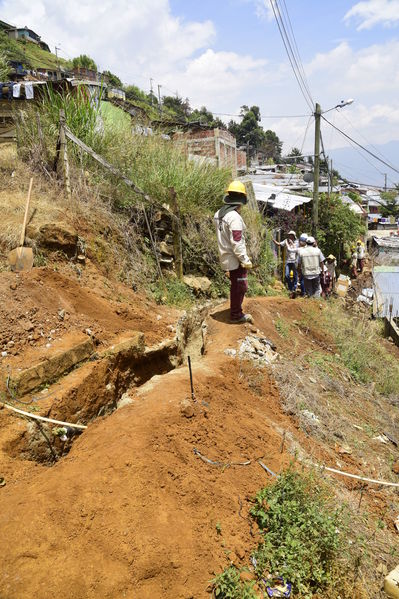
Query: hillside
[(30, 54), (154, 497)]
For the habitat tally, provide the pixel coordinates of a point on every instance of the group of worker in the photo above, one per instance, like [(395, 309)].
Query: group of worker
[(305, 262)]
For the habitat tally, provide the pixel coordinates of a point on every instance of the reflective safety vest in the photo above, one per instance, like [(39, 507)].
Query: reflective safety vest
[(310, 260)]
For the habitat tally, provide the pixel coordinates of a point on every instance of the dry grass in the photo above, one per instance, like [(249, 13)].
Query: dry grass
[(113, 243), (47, 203)]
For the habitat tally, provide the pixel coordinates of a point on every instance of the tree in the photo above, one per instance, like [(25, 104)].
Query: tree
[(272, 145), (248, 133), (204, 116), (85, 62), (390, 206), (180, 107), (339, 226), (113, 79)]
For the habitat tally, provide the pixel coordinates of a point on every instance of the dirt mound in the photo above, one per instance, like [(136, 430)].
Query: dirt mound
[(39, 307), (132, 511)]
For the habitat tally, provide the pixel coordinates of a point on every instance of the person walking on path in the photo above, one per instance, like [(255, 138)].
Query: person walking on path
[(291, 271), (353, 263), (310, 264), (329, 275), (361, 252), (302, 243), (233, 255)]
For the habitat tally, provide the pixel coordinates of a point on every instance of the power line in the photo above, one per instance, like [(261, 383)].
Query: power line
[(290, 54), (298, 56), (363, 136), (360, 146), (276, 116)]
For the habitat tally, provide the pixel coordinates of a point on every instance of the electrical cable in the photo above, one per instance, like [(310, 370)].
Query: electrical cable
[(289, 52), (361, 135), (361, 146), (296, 50), (276, 116)]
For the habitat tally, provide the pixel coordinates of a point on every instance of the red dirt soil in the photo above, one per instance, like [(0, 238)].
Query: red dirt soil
[(132, 511)]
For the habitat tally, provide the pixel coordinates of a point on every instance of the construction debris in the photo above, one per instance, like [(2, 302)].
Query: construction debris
[(258, 349)]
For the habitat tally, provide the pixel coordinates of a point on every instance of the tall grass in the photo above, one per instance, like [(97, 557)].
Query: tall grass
[(362, 349)]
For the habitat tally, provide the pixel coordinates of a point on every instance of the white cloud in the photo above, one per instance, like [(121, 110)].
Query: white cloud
[(129, 37), (374, 12)]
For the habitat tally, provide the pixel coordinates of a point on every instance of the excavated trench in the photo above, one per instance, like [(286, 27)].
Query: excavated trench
[(102, 384)]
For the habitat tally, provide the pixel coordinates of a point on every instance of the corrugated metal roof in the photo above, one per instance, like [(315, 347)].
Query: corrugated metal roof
[(386, 291), (276, 197), (387, 242)]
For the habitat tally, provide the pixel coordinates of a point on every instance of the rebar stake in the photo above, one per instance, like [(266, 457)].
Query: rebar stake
[(191, 378)]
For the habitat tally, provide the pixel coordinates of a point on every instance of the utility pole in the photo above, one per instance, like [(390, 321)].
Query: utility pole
[(151, 91), (385, 181), (159, 99), (316, 171), (58, 62)]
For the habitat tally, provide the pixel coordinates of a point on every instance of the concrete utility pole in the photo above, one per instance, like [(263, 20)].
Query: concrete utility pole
[(152, 92), (159, 98), (58, 62), (316, 171), (385, 181)]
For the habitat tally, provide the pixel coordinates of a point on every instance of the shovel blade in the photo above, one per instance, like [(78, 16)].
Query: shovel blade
[(21, 259)]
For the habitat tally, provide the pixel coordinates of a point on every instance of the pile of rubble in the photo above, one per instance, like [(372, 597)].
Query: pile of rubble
[(255, 348)]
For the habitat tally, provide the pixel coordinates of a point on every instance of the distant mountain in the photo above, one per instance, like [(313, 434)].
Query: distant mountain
[(361, 167)]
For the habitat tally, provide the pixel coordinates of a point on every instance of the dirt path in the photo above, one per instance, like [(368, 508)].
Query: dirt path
[(132, 511)]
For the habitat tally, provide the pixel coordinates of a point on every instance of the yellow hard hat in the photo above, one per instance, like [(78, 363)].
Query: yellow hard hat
[(359, 241), (237, 187)]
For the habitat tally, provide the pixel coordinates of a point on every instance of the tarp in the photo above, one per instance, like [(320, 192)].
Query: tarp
[(386, 291)]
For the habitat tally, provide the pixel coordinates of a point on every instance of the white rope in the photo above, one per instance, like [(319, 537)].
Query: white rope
[(369, 480), (37, 417)]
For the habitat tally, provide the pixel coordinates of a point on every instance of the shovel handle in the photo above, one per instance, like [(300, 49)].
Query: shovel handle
[(26, 213)]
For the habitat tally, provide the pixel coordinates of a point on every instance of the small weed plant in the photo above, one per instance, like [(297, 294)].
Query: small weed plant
[(302, 532), (173, 293), (282, 327), (228, 585), (305, 540)]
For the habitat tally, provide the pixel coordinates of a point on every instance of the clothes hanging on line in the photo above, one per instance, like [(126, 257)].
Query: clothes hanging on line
[(29, 91), (16, 92)]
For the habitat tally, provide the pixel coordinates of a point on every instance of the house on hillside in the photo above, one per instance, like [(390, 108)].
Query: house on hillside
[(215, 146), (6, 26), (24, 33)]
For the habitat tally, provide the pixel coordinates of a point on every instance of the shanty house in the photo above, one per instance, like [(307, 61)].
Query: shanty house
[(24, 33)]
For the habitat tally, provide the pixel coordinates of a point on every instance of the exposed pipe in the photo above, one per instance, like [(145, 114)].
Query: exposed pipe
[(43, 418)]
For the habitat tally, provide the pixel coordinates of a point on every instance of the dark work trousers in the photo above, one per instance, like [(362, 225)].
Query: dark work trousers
[(238, 288)]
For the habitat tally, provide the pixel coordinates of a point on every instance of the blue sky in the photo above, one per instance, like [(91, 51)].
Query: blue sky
[(225, 53)]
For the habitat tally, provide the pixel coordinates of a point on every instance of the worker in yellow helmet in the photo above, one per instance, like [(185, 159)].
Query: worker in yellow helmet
[(233, 255), (361, 252)]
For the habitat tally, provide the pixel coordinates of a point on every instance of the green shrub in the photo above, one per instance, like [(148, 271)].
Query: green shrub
[(302, 531), (228, 585)]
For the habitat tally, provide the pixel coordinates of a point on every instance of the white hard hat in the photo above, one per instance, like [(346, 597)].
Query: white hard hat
[(310, 240), (303, 237), (292, 233)]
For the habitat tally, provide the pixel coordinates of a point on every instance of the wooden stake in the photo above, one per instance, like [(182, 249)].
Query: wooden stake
[(176, 231), (64, 154)]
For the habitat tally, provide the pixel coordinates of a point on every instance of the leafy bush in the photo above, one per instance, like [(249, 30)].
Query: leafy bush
[(228, 585), (302, 531)]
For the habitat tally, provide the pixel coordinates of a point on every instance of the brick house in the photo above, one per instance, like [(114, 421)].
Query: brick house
[(216, 146)]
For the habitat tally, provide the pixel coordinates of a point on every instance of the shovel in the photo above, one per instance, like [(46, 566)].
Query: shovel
[(21, 258)]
